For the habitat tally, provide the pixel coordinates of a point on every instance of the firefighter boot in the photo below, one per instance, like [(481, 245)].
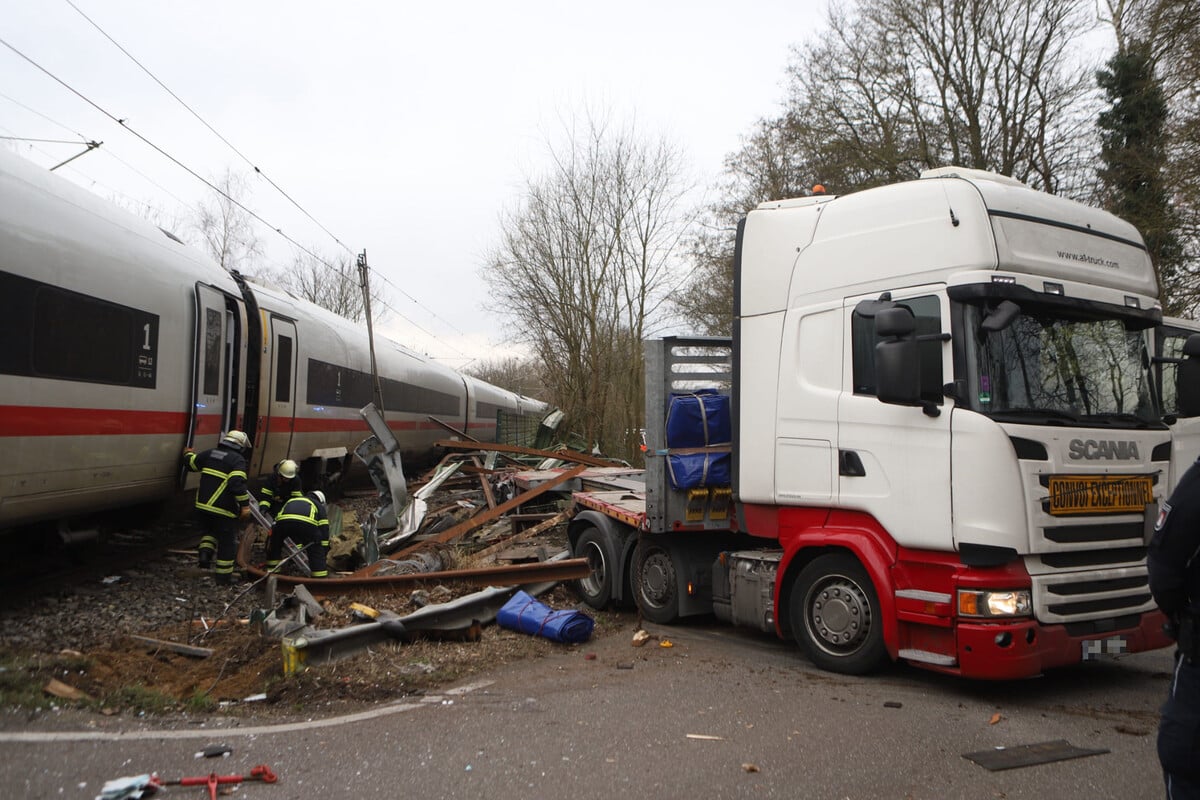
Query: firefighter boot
[(206, 558)]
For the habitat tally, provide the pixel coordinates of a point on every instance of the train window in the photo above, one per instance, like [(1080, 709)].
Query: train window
[(50, 332), (283, 370), (331, 385), (212, 351)]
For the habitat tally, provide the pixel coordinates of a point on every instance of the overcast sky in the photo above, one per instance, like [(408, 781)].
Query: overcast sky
[(402, 128)]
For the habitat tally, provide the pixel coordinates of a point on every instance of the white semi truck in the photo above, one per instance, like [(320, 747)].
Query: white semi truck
[(944, 439)]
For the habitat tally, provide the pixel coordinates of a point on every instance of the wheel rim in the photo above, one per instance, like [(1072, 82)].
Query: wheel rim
[(597, 578), (837, 615), (656, 579)]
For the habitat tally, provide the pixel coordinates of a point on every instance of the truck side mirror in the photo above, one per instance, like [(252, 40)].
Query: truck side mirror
[(897, 360), (1187, 378)]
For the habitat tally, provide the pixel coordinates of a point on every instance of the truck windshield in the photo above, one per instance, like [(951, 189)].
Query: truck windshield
[(1046, 368)]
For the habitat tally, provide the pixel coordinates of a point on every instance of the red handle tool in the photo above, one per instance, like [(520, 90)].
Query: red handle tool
[(260, 773)]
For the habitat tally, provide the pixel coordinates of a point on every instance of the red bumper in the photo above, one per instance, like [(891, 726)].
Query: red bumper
[(1004, 651)]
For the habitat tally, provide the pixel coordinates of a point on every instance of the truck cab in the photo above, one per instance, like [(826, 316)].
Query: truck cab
[(949, 442)]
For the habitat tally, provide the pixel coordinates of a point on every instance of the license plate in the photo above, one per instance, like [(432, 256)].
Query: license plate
[(1094, 494), (1096, 649)]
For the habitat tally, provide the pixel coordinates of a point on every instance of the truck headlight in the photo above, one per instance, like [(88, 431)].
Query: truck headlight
[(984, 603)]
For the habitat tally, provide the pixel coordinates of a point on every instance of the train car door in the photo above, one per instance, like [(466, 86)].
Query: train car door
[(213, 404), (275, 436)]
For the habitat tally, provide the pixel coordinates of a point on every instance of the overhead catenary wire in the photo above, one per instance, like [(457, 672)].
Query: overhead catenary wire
[(204, 122), (107, 151), (252, 214), (255, 167), (42, 141)]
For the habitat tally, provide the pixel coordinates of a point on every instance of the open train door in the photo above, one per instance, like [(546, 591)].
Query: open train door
[(213, 406), (277, 423)]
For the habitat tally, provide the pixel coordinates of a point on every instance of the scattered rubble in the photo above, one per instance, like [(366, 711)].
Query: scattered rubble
[(163, 638)]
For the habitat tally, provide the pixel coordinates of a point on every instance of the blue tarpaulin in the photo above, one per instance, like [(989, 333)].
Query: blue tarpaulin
[(698, 419), (695, 470), (527, 615)]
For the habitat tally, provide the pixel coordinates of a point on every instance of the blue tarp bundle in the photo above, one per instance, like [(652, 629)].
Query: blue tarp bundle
[(698, 470), (698, 419), (527, 615)]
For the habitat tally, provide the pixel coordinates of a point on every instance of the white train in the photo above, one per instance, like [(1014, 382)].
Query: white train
[(119, 345)]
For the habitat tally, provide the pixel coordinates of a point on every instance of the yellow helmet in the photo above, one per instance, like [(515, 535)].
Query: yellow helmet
[(288, 469)]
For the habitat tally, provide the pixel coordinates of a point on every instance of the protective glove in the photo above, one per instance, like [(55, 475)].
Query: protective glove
[(244, 514)]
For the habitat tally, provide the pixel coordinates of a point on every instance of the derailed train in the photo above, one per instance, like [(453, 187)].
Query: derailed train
[(119, 345)]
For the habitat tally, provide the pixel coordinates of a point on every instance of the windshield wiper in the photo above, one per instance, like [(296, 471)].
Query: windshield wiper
[(1047, 416)]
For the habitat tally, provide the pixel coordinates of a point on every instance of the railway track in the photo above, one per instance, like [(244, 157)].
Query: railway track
[(38, 562)]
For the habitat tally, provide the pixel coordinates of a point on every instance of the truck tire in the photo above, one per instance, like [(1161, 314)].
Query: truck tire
[(835, 615), (655, 584), (597, 588)]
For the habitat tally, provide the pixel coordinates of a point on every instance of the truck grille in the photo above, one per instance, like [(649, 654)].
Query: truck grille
[(1076, 596)]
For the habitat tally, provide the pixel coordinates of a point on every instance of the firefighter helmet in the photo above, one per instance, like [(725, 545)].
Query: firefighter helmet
[(319, 496), (237, 439), (288, 469)]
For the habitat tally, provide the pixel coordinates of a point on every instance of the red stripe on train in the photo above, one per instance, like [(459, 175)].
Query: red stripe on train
[(43, 421)]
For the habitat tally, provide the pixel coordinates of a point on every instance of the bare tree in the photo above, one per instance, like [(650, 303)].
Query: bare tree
[(331, 283), (154, 213), (520, 375), (584, 266), (226, 230), (899, 86)]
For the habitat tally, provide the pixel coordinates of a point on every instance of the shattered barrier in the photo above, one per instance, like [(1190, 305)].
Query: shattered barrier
[(527, 615)]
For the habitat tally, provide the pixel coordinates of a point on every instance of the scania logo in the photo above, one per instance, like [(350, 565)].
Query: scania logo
[(1093, 450)]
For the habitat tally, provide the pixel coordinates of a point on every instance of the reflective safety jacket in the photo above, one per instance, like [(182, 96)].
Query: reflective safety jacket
[(306, 513), (223, 489)]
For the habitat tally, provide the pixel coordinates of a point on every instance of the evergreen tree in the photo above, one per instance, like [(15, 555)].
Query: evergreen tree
[(1133, 155)]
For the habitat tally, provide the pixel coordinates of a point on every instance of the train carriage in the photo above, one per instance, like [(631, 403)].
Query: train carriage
[(121, 345)]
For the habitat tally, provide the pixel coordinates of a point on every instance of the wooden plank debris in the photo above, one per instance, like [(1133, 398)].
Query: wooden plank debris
[(476, 521), (182, 649), (496, 447), (528, 533), (67, 692)]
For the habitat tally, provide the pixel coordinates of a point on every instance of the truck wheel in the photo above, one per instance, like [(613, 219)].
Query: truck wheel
[(655, 585), (835, 615), (597, 588)]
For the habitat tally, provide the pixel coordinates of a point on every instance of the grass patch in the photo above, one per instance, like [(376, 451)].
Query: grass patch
[(200, 702), (140, 698), (22, 679)]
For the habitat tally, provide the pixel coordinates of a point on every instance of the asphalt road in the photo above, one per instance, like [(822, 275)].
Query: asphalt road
[(721, 714)]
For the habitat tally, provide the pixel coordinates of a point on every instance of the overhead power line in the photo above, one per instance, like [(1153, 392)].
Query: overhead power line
[(258, 171), (43, 141), (192, 172), (204, 122)]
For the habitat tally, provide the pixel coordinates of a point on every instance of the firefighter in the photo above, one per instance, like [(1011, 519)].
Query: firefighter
[(222, 500), (1175, 583), (305, 521), (281, 486)]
